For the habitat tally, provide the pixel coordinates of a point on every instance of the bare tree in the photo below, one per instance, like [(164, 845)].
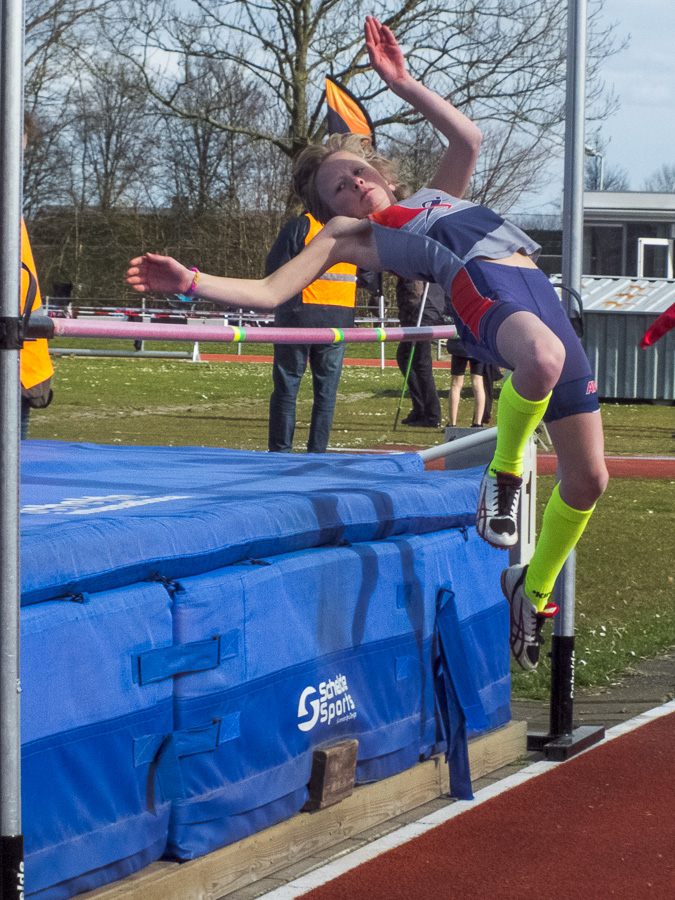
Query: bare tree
[(55, 26), (46, 163), (209, 167), (605, 177), (502, 61), (57, 36), (112, 138), (663, 180), (598, 175)]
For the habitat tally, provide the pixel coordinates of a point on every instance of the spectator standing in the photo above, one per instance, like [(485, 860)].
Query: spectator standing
[(458, 367), (36, 366), (426, 407), (327, 303)]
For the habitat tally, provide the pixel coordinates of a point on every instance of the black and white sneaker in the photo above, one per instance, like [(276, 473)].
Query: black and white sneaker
[(497, 514), (526, 623)]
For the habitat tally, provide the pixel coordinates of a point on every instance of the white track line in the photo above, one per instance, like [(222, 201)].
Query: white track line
[(349, 861)]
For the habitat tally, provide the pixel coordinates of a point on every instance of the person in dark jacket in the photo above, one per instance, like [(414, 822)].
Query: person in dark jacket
[(327, 303), (426, 407)]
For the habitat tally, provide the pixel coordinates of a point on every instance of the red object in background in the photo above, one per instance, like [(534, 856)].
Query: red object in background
[(664, 323)]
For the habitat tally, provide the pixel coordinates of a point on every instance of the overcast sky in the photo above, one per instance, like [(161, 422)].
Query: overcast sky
[(641, 134), (643, 76)]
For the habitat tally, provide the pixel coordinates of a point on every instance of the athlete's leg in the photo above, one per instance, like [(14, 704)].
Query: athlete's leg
[(454, 396), (534, 353), (536, 356), (579, 443), (478, 399), (458, 364)]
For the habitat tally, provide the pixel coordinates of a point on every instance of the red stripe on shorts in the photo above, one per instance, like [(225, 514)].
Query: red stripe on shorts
[(470, 305)]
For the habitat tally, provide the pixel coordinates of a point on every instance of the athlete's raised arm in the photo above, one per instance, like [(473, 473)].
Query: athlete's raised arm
[(464, 137), (342, 240)]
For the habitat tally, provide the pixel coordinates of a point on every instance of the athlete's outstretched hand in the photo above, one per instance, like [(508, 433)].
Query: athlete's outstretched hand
[(384, 52), (152, 272)]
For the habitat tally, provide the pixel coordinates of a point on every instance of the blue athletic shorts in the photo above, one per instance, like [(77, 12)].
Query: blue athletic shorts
[(484, 294)]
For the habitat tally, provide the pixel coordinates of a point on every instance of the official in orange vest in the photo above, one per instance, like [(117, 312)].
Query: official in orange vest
[(327, 303), (36, 366)]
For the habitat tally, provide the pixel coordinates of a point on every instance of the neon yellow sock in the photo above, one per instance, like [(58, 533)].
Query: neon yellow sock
[(517, 419), (561, 528)]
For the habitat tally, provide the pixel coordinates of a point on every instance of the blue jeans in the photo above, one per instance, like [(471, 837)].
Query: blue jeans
[(290, 363)]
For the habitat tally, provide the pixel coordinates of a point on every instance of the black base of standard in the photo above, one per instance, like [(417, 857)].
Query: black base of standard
[(11, 867), (559, 747)]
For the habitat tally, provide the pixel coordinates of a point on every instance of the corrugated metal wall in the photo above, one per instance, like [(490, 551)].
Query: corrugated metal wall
[(617, 312), (622, 370)]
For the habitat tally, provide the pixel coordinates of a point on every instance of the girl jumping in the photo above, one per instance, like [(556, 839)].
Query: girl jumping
[(506, 313)]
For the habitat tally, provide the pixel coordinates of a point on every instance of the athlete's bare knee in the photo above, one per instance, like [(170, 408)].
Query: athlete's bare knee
[(585, 487), (538, 370)]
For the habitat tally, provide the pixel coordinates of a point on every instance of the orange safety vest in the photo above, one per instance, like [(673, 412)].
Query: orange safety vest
[(36, 366), (337, 286)]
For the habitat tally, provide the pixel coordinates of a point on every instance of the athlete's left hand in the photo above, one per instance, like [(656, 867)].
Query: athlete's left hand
[(152, 272)]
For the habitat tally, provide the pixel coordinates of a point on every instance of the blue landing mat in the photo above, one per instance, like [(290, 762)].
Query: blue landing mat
[(197, 622), (98, 517)]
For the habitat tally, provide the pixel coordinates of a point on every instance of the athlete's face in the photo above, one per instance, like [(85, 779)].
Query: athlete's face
[(349, 186)]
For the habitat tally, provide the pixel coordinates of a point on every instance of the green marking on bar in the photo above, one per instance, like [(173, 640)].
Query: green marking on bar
[(381, 334), (339, 335), (239, 334)]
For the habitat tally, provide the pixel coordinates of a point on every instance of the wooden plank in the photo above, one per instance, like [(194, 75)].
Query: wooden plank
[(219, 873)]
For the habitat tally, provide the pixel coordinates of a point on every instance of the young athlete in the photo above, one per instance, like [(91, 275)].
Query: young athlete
[(505, 311)]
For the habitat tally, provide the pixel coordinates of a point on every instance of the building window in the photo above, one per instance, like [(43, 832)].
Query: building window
[(655, 258), (603, 246)]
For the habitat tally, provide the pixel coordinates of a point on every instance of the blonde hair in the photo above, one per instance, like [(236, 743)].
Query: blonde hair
[(308, 162)]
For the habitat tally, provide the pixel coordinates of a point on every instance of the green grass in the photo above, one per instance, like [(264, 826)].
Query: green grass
[(220, 404), (625, 589)]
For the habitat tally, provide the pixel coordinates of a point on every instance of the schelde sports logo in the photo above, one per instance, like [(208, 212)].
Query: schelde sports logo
[(330, 702)]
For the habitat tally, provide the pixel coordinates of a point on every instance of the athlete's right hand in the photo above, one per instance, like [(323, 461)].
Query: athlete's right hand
[(384, 53), (152, 272)]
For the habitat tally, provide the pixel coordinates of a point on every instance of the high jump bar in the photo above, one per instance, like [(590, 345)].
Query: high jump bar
[(46, 327)]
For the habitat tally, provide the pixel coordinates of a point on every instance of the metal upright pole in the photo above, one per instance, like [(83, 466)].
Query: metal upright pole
[(563, 740), (11, 133)]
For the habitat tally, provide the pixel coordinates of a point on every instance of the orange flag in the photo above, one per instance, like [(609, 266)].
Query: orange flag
[(345, 112)]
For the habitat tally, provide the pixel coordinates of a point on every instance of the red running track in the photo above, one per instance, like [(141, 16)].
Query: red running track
[(600, 825), (619, 467)]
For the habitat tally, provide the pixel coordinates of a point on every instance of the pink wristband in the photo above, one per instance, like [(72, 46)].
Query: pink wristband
[(193, 287)]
